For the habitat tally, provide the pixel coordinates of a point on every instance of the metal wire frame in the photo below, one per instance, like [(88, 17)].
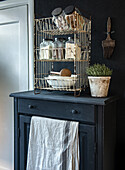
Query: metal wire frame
[(45, 28)]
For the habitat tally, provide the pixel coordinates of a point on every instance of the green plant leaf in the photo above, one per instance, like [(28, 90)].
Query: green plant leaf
[(98, 70)]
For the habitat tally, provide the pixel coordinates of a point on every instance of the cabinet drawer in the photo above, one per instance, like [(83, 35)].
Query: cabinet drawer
[(59, 110)]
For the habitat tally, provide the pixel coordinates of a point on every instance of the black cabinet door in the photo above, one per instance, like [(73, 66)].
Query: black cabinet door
[(87, 147), (24, 126), (86, 138)]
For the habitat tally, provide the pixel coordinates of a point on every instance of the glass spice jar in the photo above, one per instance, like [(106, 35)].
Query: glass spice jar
[(58, 48), (46, 49), (73, 50), (59, 18), (61, 48), (73, 18), (55, 49)]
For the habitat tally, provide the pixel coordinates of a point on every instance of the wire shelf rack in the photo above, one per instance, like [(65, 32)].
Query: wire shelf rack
[(74, 56)]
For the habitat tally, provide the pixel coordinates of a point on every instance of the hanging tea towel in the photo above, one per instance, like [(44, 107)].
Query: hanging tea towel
[(53, 145)]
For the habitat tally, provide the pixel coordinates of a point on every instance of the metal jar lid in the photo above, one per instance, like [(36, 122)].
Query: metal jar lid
[(56, 11), (69, 9)]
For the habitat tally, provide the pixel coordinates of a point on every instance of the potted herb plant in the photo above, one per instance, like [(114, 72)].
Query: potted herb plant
[(99, 77)]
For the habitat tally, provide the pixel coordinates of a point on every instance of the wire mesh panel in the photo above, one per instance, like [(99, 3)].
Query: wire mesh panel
[(60, 49)]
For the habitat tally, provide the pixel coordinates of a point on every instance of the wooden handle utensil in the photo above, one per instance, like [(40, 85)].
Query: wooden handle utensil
[(108, 44), (63, 72)]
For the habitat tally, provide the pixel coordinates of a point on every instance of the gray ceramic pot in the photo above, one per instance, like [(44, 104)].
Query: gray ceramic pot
[(99, 86)]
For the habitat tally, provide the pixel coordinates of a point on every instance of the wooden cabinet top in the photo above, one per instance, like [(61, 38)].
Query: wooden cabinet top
[(59, 97)]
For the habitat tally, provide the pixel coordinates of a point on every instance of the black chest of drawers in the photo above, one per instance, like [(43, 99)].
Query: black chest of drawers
[(97, 125)]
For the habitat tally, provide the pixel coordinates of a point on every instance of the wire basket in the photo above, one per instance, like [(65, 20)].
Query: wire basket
[(74, 56)]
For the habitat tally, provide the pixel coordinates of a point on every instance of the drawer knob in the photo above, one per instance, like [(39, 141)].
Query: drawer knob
[(74, 112), (30, 106)]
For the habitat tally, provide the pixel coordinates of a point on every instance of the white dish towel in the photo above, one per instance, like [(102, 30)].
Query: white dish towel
[(53, 145)]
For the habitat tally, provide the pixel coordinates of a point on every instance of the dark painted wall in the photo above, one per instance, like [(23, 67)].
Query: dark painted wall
[(99, 11)]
